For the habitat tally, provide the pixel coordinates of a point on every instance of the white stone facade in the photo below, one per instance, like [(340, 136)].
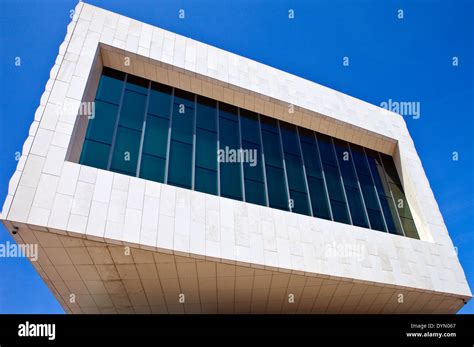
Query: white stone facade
[(62, 205)]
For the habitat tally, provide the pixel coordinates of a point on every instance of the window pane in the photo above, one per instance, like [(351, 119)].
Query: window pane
[(110, 86), (316, 187), (156, 136), (255, 192), (160, 100), (339, 212), (388, 208), (276, 188), (368, 189), (294, 170), (132, 113), (333, 182), (269, 124), (371, 203), (336, 195), (319, 201), (137, 84), (376, 220), (231, 185), (125, 153), (152, 168), (399, 196), (228, 111), (360, 162), (206, 149), (356, 207), (230, 169), (354, 197), (95, 154), (180, 165), (206, 146), (296, 182), (271, 145), (311, 161), (206, 181), (400, 200), (410, 228), (276, 184), (333, 179), (183, 98), (326, 150), (250, 126), (206, 113), (101, 127), (253, 168), (182, 124)]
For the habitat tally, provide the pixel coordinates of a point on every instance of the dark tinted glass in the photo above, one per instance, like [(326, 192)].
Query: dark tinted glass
[(229, 146), (165, 131), (353, 194), (132, 112), (160, 100), (137, 84), (205, 179), (253, 168), (152, 168), (156, 136), (206, 114), (181, 145), (206, 149), (182, 125), (276, 184), (101, 127), (368, 188), (333, 180), (179, 172), (95, 154), (125, 152), (294, 169), (401, 204), (316, 186), (110, 86), (385, 197)]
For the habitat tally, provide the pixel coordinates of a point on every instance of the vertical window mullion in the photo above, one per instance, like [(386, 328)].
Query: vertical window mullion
[(142, 138), (324, 176), (168, 147), (284, 168), (342, 181), (112, 145), (391, 194), (304, 172), (193, 167), (242, 180), (375, 188), (263, 161), (218, 148)]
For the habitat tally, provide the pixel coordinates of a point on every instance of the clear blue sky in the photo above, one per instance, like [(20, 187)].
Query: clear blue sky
[(403, 60)]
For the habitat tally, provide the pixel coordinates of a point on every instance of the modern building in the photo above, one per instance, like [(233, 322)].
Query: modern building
[(164, 175)]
